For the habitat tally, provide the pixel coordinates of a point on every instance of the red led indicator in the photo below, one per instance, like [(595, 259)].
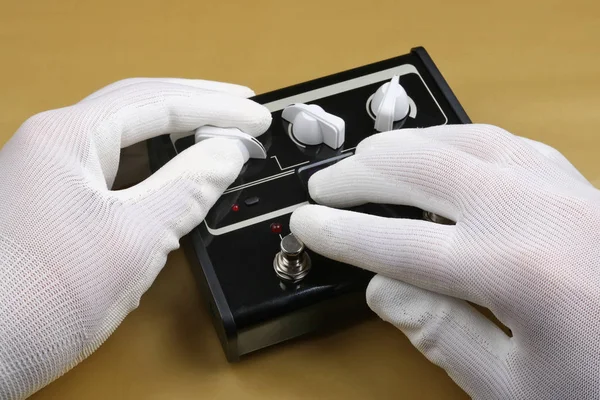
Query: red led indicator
[(276, 227), (235, 208)]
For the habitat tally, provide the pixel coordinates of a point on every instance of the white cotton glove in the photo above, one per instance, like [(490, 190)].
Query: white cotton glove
[(526, 245), (75, 257)]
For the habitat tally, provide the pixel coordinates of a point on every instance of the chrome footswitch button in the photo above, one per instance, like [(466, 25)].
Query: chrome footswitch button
[(292, 263)]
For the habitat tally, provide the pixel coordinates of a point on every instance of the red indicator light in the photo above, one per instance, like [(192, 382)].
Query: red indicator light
[(276, 227), (235, 208)]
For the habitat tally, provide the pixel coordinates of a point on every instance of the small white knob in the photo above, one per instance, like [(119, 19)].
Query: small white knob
[(389, 104), (249, 145), (311, 125)]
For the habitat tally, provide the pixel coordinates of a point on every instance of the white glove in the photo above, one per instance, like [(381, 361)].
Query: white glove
[(75, 257), (526, 245)]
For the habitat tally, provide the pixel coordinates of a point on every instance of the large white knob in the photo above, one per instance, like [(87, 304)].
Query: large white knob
[(311, 125), (249, 145), (389, 104)]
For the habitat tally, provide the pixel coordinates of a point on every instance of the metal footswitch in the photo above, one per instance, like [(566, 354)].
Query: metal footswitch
[(292, 263)]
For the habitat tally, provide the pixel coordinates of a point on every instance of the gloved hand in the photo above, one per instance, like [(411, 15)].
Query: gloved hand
[(526, 245), (75, 257)]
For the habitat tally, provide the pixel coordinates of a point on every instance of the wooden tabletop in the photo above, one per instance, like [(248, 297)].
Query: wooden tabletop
[(530, 67)]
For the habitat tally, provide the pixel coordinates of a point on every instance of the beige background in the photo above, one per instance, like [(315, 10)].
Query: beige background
[(531, 67)]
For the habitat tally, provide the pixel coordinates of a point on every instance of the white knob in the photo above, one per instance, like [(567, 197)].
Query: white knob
[(311, 125), (250, 146), (389, 104)]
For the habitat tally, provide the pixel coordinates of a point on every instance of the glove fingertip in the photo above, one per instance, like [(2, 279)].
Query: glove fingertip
[(301, 221), (339, 185), (316, 182), (222, 157), (242, 113), (380, 295), (374, 293), (309, 224)]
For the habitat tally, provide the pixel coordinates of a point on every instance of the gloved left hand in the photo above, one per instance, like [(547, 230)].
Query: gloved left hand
[(75, 257)]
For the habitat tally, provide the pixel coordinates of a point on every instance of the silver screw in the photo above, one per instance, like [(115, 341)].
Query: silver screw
[(291, 264)]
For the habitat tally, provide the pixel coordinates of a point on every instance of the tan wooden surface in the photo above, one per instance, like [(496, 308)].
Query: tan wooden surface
[(529, 66)]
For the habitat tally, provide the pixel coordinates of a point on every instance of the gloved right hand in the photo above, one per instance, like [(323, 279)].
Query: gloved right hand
[(526, 245)]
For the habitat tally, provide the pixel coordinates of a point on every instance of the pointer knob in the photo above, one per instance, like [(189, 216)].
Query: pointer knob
[(389, 104), (311, 125)]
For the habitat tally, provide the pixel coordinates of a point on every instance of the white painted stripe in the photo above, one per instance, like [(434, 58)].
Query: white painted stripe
[(342, 86), (291, 166), (252, 221), (258, 182)]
